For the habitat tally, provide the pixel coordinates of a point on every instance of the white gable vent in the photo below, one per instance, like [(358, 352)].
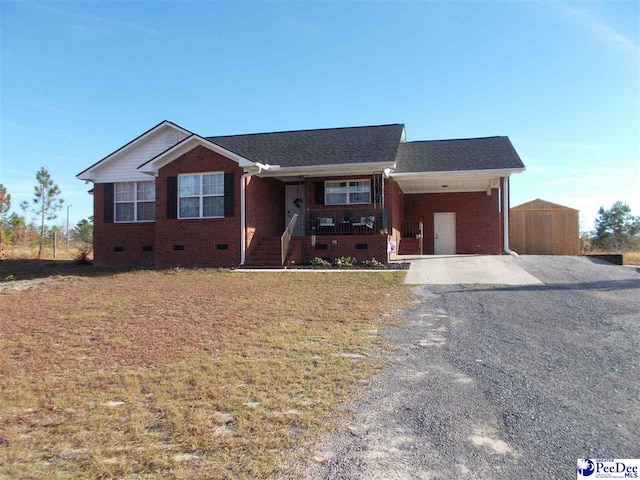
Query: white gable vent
[(171, 138)]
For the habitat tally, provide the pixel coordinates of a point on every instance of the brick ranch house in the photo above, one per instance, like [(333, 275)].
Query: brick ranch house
[(172, 197)]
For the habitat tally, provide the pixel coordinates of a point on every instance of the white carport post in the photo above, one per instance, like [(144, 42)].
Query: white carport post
[(505, 212)]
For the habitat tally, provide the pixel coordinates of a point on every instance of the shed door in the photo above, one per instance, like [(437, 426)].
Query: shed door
[(444, 233)]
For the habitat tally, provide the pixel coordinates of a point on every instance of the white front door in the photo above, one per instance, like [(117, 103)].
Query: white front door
[(444, 233), (294, 203)]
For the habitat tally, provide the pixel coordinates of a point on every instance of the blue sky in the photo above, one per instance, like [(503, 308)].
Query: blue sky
[(562, 80)]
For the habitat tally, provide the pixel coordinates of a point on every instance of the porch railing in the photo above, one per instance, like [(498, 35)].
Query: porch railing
[(414, 230), (411, 229), (285, 239), (346, 220)]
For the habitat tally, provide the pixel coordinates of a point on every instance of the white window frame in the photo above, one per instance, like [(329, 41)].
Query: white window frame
[(135, 202), (349, 202), (201, 196)]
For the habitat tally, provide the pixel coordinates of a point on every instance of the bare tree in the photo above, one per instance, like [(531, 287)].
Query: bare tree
[(46, 202), (5, 203)]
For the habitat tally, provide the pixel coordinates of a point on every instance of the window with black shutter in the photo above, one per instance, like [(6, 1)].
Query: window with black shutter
[(320, 193), (172, 197), (229, 191)]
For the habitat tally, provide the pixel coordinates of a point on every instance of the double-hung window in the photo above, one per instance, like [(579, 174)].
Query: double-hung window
[(343, 192), (135, 201), (201, 195)]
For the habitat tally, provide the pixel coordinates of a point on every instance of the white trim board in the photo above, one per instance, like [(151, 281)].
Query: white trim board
[(364, 168)]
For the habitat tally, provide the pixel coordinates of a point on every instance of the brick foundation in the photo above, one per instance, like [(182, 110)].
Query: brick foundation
[(302, 250)]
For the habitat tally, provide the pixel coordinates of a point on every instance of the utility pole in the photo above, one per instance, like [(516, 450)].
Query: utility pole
[(68, 207)]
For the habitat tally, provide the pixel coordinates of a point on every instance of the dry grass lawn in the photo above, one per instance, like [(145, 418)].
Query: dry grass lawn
[(15, 253), (187, 374), (632, 258)]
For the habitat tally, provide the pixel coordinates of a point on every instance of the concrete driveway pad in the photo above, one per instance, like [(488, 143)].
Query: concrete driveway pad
[(466, 269)]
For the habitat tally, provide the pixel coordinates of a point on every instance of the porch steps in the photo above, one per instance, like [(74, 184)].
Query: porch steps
[(409, 246), (265, 254)]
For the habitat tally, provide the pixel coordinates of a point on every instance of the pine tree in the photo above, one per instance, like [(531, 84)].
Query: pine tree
[(616, 228), (46, 202)]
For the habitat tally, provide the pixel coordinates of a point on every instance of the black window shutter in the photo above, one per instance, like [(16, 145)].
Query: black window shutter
[(108, 203), (172, 197), (229, 191), (320, 193)]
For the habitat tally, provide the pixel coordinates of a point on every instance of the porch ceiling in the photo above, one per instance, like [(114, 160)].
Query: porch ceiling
[(447, 183)]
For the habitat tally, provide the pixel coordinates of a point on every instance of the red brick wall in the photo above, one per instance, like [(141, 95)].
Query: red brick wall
[(130, 236), (264, 208), (394, 203), (200, 237), (477, 219), (302, 251)]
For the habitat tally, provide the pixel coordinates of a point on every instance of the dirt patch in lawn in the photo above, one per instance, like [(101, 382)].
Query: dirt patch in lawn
[(182, 373)]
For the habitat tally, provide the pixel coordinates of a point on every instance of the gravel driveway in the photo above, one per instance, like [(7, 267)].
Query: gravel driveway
[(503, 382)]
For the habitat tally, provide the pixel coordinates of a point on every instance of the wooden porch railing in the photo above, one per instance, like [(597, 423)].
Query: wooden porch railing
[(413, 230), (285, 240)]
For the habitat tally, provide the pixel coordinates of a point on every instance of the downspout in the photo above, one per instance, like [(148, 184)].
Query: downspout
[(505, 212), (243, 216)]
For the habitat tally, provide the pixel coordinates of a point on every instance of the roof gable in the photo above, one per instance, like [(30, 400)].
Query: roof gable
[(121, 164), (539, 204)]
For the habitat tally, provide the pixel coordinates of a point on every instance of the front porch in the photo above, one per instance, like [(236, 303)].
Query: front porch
[(372, 216), (302, 218)]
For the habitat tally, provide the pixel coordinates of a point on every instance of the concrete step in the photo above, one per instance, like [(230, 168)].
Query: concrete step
[(265, 251)]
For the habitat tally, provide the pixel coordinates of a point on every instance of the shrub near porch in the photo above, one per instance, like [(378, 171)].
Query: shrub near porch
[(182, 374)]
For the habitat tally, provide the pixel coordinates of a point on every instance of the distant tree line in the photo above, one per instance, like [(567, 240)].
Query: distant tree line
[(33, 229), (616, 230)]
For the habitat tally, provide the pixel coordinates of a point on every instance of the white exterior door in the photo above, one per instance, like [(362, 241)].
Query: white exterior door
[(444, 233), (294, 203)]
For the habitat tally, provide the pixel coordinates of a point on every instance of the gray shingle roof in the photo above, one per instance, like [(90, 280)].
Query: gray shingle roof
[(331, 146), (462, 154)]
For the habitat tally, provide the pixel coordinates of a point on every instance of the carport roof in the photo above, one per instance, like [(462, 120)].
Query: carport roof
[(461, 154)]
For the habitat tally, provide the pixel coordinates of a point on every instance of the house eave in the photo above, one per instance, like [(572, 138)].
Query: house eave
[(452, 181), (485, 172), (333, 169)]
